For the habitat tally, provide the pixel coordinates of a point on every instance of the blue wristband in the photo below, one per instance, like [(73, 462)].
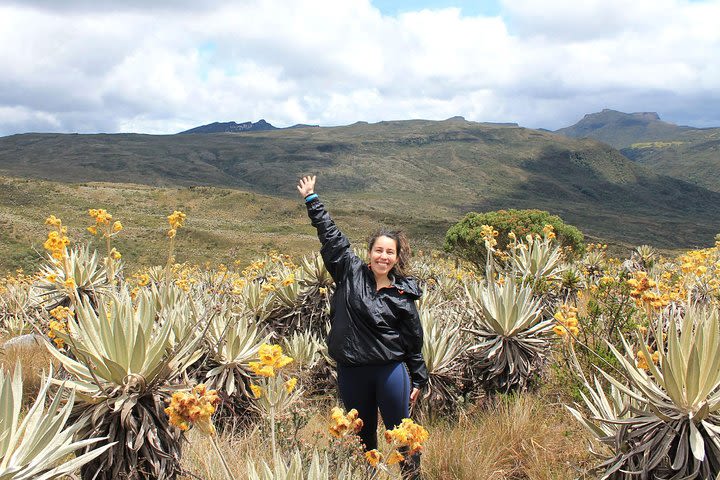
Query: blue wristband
[(311, 197)]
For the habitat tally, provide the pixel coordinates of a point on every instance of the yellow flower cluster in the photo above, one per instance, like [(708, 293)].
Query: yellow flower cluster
[(57, 239), (408, 434), (489, 234), (271, 359), (101, 216), (642, 293), (55, 327), (193, 408), (61, 313), (642, 362), (567, 320), (289, 386), (176, 220), (342, 425), (549, 232)]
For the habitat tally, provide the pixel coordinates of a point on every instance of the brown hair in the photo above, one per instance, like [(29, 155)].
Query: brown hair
[(402, 267)]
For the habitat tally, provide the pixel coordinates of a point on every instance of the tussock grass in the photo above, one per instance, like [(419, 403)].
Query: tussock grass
[(518, 438), (35, 361)]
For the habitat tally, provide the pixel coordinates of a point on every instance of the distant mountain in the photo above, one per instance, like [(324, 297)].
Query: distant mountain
[(232, 127), (686, 153), (419, 174), (623, 129)]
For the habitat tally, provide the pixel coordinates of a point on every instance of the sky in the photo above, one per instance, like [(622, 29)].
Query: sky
[(163, 66)]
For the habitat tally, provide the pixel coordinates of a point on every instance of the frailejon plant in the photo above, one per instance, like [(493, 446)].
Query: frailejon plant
[(122, 362), (39, 444), (443, 349), (672, 428), (510, 340), (538, 261), (17, 300), (79, 273)]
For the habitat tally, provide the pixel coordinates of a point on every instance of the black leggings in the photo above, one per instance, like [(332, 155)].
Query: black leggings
[(369, 387)]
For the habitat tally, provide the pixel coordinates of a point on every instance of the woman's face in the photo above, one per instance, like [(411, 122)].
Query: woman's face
[(383, 255)]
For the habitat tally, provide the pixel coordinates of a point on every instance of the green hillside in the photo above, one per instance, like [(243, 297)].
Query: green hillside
[(423, 175)]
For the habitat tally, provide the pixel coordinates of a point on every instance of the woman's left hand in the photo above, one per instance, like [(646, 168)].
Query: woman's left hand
[(414, 395)]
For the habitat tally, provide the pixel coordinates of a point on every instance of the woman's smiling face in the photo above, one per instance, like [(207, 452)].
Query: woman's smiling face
[(383, 255)]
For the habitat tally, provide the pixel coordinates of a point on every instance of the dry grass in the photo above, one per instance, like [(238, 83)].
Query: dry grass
[(200, 460), (35, 361), (518, 438)]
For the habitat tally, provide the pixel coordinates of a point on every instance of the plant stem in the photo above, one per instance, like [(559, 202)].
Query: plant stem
[(110, 261), (228, 473), (169, 262), (272, 431)]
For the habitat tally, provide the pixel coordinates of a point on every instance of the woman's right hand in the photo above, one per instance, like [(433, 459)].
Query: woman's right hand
[(306, 186)]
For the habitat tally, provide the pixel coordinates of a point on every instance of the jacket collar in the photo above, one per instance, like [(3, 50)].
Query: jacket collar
[(407, 285)]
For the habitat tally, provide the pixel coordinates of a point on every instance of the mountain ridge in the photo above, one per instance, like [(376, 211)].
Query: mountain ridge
[(419, 173)]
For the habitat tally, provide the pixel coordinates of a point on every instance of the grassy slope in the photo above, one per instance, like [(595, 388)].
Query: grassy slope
[(223, 225), (692, 158), (421, 175)]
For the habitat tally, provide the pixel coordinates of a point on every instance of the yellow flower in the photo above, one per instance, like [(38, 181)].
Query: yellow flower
[(115, 254), (53, 221), (51, 277), (193, 408), (323, 290), (269, 354), (488, 233), (373, 457), (55, 327), (101, 216), (56, 243), (143, 279), (342, 424), (117, 226), (290, 385), (408, 434), (171, 233), (256, 390), (289, 280), (60, 313), (92, 230), (263, 370), (69, 283), (176, 219), (395, 457), (271, 357)]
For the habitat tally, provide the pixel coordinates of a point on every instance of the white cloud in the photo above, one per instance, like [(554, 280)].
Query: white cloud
[(109, 66)]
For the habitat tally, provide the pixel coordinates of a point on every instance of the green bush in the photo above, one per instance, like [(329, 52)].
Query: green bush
[(464, 238)]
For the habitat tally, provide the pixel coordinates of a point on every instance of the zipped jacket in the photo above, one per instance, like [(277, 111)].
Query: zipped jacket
[(368, 327)]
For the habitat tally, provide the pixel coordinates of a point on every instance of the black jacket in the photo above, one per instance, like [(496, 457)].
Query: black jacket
[(368, 327)]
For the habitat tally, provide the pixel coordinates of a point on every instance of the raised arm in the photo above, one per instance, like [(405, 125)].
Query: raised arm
[(335, 247)]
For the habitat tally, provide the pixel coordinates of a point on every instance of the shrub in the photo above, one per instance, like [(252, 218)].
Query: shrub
[(465, 240)]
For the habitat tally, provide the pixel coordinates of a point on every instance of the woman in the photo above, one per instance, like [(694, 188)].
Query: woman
[(375, 337)]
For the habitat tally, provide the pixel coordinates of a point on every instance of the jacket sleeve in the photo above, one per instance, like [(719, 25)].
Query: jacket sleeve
[(412, 335), (335, 247)]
